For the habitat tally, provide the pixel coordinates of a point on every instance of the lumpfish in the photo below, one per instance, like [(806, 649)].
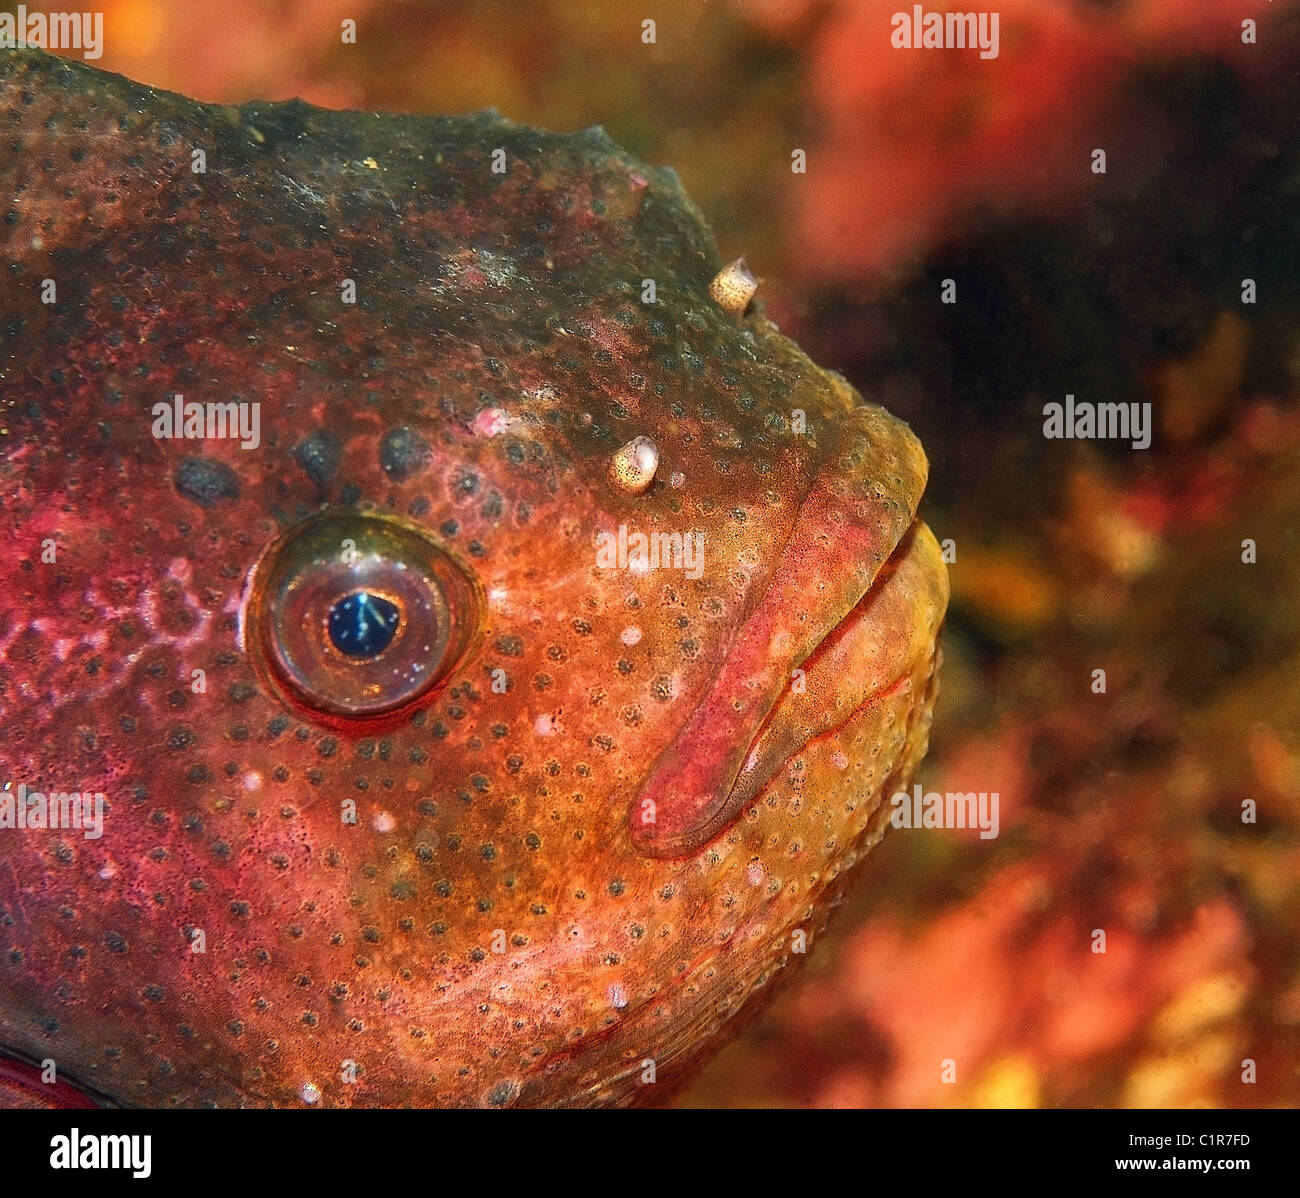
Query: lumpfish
[(453, 648)]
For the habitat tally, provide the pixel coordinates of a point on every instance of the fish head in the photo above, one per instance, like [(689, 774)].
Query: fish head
[(492, 651)]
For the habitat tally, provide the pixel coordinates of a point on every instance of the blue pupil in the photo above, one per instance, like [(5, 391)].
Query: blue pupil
[(362, 624)]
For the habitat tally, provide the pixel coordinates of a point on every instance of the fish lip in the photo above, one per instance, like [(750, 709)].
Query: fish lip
[(881, 613), (67, 1093), (848, 527), (750, 781)]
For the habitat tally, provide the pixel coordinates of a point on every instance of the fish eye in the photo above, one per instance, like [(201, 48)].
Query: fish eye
[(353, 614)]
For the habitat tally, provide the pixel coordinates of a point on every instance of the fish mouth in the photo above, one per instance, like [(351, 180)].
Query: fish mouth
[(847, 620), (874, 662)]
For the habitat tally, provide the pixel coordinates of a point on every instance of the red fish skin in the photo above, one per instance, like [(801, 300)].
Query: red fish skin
[(499, 330), (25, 1087)]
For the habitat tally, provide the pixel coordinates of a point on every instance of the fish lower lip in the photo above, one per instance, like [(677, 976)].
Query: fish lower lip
[(874, 658), (847, 527), (870, 657)]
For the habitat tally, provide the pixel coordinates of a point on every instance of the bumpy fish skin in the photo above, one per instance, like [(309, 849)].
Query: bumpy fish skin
[(497, 357)]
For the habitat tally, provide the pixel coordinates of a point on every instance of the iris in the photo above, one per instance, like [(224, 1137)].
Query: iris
[(366, 631), (363, 624)]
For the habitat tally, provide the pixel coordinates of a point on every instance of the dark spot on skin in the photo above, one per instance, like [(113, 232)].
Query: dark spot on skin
[(205, 481), (318, 454), (180, 738), (402, 453), (502, 1093)]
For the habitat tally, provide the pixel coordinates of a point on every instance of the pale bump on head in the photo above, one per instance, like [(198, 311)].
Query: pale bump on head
[(633, 468), (733, 287)]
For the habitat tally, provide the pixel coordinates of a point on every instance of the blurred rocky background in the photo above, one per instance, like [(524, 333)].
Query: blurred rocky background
[(1122, 811)]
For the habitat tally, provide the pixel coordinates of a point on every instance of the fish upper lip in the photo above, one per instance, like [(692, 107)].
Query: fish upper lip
[(869, 658), (847, 528)]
